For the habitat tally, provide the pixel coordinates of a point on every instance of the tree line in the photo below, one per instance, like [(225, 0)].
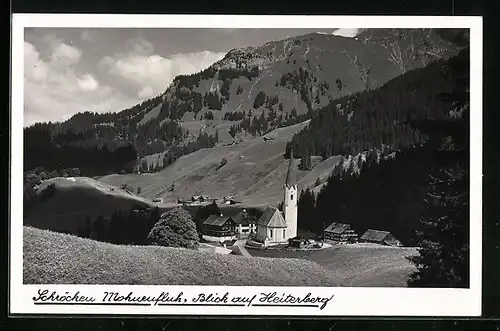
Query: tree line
[(385, 194), (121, 228), (41, 149)]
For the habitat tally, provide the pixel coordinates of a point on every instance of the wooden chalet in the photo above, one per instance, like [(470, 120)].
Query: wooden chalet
[(379, 237), (219, 228), (341, 233), (245, 224)]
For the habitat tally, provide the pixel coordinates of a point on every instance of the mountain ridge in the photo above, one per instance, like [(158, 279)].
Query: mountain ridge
[(294, 75)]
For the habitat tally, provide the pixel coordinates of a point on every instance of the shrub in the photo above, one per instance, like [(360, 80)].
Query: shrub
[(33, 179), (175, 229), (209, 115), (223, 162), (139, 190), (74, 172), (260, 99)]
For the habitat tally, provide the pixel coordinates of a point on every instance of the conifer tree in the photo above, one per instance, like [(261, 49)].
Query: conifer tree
[(443, 236)]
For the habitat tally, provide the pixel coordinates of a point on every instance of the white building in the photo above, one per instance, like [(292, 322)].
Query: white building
[(275, 227), (245, 224)]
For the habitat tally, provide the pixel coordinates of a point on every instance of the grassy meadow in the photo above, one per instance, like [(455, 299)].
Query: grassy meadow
[(357, 265), (55, 258)]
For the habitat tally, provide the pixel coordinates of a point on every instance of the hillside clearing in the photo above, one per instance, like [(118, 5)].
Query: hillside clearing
[(76, 198), (359, 264), (254, 173), (54, 258)]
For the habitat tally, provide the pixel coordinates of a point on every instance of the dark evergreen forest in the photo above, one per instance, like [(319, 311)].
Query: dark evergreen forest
[(383, 116), (420, 194)]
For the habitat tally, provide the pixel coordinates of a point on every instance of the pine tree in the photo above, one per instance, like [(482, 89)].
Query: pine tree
[(443, 236), (306, 212)]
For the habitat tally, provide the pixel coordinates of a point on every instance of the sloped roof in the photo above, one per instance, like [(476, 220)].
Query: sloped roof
[(216, 220), (375, 235), (290, 175), (337, 227), (244, 218), (272, 218)]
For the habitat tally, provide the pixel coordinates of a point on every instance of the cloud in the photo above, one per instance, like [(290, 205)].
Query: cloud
[(139, 45), (88, 82), (54, 90), (64, 55), (61, 81), (87, 35), (346, 32), (150, 74)]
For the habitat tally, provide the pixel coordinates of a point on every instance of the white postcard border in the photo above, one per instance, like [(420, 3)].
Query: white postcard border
[(346, 301)]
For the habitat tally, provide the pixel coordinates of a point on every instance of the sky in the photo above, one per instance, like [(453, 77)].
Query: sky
[(71, 70)]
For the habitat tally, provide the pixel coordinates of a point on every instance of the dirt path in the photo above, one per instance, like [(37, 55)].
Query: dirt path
[(241, 244)]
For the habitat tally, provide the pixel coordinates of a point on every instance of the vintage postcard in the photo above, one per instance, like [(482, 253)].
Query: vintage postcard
[(246, 165)]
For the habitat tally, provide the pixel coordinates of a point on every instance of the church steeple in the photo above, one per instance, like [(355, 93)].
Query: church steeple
[(290, 175)]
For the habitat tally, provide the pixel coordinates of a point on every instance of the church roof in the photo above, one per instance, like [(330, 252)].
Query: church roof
[(290, 175), (272, 218)]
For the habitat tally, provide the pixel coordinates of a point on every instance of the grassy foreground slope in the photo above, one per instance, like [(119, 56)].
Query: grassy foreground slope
[(54, 258), (77, 197), (360, 264)]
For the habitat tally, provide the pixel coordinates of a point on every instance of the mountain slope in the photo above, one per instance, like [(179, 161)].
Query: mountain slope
[(280, 79), (254, 173), (256, 168), (305, 72)]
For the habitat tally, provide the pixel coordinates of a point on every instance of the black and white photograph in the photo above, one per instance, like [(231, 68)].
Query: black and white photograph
[(301, 157)]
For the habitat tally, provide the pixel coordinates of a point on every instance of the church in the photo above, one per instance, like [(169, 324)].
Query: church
[(276, 227)]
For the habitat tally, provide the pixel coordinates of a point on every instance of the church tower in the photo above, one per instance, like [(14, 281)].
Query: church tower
[(290, 201)]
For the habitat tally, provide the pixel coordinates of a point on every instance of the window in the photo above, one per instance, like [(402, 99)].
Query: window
[(291, 197), (284, 233), (270, 233)]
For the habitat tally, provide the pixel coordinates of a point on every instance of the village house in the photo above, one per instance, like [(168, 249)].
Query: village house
[(245, 224), (300, 242), (379, 237), (275, 227), (219, 228), (340, 233)]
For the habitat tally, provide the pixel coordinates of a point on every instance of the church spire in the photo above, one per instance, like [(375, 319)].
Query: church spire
[(290, 175)]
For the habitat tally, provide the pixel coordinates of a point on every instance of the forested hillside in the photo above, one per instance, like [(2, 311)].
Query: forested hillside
[(383, 116), (419, 193), (260, 88)]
